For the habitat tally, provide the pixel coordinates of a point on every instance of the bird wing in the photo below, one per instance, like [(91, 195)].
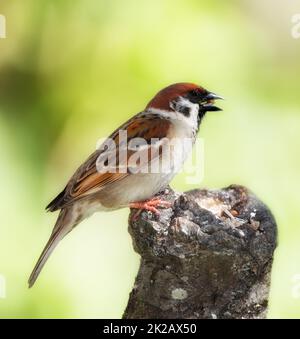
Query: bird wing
[(91, 177)]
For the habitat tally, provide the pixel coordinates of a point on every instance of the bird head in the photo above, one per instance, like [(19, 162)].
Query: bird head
[(180, 97)]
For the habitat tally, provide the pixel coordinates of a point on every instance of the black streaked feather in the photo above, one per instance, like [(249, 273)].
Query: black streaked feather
[(56, 203)]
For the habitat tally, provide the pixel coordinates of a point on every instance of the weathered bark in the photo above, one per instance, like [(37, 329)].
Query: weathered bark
[(209, 256)]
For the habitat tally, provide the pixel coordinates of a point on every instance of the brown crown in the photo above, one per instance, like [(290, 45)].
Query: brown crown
[(162, 98)]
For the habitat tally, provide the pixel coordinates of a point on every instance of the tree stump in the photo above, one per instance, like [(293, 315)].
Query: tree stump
[(208, 256)]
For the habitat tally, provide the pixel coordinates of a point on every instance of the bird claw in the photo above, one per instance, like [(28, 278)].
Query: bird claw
[(149, 205)]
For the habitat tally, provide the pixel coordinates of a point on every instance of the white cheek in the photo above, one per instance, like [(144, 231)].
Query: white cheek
[(192, 119), (194, 112), (178, 118)]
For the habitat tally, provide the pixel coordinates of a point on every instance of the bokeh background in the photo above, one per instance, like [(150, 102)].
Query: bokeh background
[(73, 70)]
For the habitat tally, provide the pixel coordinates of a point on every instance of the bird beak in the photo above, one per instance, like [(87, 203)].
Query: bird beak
[(207, 102)]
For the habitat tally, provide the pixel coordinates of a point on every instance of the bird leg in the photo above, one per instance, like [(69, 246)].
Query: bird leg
[(149, 205)]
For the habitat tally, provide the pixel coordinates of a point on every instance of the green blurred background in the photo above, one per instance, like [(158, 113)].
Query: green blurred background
[(73, 70)]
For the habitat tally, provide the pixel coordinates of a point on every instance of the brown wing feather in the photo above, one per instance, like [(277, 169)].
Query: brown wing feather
[(87, 179)]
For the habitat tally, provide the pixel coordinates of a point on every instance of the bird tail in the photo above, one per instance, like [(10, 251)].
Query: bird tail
[(62, 227)]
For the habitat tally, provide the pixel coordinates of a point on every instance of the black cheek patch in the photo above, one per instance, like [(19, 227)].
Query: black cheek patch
[(186, 111)]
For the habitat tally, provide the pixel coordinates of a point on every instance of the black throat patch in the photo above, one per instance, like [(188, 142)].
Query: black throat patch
[(200, 116)]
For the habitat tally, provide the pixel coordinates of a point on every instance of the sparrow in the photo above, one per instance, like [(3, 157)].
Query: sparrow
[(107, 182)]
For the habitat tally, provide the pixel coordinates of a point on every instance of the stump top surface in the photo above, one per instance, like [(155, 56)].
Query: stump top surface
[(228, 220)]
